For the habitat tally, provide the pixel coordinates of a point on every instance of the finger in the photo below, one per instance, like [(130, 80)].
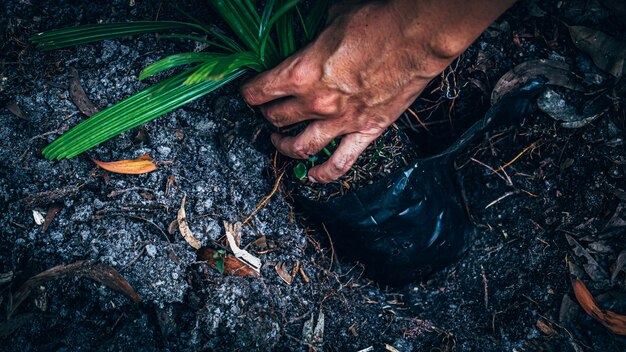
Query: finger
[(281, 81), (287, 111), (309, 142), (351, 146)]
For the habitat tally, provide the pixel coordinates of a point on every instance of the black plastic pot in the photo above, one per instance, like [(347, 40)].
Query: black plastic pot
[(413, 221)]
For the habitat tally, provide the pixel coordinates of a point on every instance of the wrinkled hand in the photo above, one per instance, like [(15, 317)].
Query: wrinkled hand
[(353, 81)]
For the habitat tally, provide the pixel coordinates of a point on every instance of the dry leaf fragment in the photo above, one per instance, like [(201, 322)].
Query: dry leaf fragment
[(555, 72), (390, 348), (79, 97), (314, 334), (232, 266), (6, 277), (607, 53), (282, 272), (16, 110), (545, 328), (183, 226), (141, 165), (232, 232), (619, 265), (105, 275), (52, 212), (613, 321), (38, 217)]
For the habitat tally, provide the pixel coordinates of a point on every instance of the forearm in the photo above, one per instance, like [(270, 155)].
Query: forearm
[(447, 27)]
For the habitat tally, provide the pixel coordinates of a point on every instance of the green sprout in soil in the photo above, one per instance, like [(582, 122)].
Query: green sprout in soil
[(262, 39), (219, 260), (301, 169)]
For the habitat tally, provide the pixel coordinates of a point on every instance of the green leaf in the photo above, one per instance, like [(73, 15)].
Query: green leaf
[(175, 61), (140, 108), (238, 17), (219, 265), (300, 171), (314, 18), (226, 48), (61, 38), (273, 59), (285, 33), (221, 66)]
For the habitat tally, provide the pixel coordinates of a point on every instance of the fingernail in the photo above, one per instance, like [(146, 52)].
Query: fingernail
[(312, 180)]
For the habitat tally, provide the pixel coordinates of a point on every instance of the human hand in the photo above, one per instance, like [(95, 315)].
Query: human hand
[(353, 81)]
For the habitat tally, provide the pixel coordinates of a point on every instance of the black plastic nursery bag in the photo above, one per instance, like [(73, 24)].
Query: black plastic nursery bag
[(413, 221)]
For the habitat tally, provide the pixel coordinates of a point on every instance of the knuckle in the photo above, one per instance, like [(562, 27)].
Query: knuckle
[(300, 150), (250, 95), (325, 105), (339, 166)]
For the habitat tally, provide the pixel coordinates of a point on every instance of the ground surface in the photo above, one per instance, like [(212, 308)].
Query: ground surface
[(564, 204)]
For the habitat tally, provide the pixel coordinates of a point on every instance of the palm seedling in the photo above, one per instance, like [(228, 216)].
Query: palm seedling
[(262, 39)]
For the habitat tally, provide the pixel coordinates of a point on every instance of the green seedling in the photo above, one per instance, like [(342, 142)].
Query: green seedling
[(219, 260), (262, 39)]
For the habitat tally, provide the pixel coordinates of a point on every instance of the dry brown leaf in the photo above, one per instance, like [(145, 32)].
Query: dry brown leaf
[(79, 97), (141, 165), (607, 53), (233, 231), (613, 321), (52, 212), (105, 275), (172, 227), (284, 274), (232, 265), (259, 243), (183, 226)]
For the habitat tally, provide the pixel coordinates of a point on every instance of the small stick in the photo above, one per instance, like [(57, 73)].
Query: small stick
[(418, 119), (486, 289), (266, 199), (332, 248), (490, 168), (507, 194), (530, 147)]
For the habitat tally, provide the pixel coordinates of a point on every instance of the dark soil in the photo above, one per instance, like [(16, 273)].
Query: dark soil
[(390, 152), (559, 208)]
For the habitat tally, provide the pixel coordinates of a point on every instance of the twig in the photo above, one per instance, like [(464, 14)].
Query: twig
[(492, 169), (332, 248), (266, 199), (486, 289), (530, 147), (507, 194), (418, 119)]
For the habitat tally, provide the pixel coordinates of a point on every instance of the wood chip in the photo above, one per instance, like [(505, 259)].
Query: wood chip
[(52, 212), (79, 97), (545, 328), (183, 226)]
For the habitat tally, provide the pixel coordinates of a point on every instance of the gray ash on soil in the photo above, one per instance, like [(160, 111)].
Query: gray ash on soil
[(491, 300)]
